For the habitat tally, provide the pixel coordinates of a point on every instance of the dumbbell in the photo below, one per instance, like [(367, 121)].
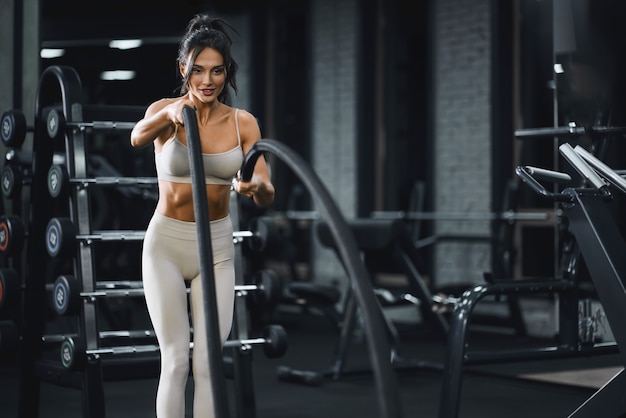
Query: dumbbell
[(266, 290), (59, 181), (12, 178), (74, 356), (12, 235), (66, 293), (13, 129), (265, 233), (61, 236), (56, 124)]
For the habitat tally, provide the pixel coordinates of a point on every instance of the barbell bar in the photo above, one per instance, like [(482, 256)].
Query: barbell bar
[(58, 181), (572, 129), (462, 216), (74, 356), (56, 123)]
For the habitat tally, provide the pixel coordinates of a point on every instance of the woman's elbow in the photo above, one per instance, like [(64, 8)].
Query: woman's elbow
[(136, 139)]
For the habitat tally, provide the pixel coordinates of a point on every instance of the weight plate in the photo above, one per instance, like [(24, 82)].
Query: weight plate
[(8, 182), (56, 180), (269, 289), (13, 129), (12, 235), (60, 297), (53, 238), (7, 127), (67, 353), (60, 236), (66, 295), (4, 235), (276, 341), (52, 123)]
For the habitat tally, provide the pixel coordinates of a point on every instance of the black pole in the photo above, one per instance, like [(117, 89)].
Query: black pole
[(380, 350), (207, 275)]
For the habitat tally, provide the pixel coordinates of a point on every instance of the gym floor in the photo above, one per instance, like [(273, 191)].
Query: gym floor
[(495, 390)]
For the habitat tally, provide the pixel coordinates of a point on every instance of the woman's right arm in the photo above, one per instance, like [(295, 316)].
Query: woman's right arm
[(156, 123)]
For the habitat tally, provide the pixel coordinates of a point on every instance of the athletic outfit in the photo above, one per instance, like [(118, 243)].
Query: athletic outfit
[(169, 258)]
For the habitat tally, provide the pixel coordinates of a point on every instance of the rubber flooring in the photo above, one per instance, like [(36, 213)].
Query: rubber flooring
[(487, 391)]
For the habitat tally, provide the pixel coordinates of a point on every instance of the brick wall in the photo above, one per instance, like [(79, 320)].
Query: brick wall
[(462, 133), (333, 107)]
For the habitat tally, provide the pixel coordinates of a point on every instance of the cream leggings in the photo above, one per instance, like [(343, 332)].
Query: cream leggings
[(170, 257)]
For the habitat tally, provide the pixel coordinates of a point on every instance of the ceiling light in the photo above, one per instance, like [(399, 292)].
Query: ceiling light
[(125, 43), (116, 75), (558, 68), (48, 53)]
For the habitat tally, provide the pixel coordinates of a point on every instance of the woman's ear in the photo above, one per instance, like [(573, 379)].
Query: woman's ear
[(181, 68)]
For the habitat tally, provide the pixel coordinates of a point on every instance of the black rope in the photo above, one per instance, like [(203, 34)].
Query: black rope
[(207, 274), (380, 350)]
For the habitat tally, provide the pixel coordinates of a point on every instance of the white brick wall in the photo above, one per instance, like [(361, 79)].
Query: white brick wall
[(462, 133)]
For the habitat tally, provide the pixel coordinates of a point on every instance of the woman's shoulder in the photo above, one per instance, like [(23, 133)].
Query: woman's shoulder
[(248, 125), (244, 116), (161, 103)]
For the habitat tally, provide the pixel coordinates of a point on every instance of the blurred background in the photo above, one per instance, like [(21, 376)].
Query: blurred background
[(397, 105)]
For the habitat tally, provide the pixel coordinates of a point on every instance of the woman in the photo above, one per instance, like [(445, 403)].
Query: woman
[(170, 249)]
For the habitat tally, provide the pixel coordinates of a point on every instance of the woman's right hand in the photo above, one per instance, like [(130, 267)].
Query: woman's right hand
[(175, 110)]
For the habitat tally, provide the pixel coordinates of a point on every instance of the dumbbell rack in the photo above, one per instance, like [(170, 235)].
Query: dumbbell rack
[(245, 400), (60, 88)]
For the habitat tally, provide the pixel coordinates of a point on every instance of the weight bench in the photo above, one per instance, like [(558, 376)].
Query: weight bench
[(376, 236), (322, 297)]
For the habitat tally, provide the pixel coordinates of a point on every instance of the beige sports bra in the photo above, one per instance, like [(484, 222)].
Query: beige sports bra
[(172, 162)]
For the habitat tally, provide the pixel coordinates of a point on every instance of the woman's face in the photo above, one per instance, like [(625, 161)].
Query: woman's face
[(208, 76)]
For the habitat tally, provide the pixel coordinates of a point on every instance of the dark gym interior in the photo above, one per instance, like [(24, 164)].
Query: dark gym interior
[(456, 249)]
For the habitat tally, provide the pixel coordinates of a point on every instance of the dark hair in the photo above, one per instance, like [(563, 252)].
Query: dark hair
[(202, 32)]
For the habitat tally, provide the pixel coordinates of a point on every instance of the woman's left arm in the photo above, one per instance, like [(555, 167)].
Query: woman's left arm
[(260, 187)]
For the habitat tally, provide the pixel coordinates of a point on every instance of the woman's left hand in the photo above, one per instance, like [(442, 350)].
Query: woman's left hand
[(255, 189)]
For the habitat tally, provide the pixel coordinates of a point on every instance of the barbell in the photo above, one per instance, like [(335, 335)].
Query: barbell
[(74, 356)]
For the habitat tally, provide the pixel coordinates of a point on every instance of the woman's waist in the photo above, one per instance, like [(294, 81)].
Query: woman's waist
[(162, 224), (177, 201)]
